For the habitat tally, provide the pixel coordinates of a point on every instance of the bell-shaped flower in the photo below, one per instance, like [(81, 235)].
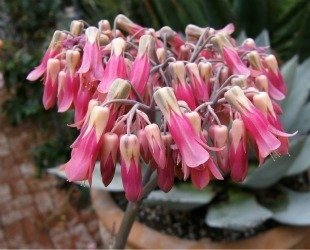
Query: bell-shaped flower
[(172, 37), (116, 66), (219, 136), (199, 86), (264, 104), (238, 151), (130, 167), (187, 140), (256, 124), (156, 144), (91, 68), (202, 175), (165, 176), (51, 83), (141, 67), (183, 91), (86, 147), (108, 155), (230, 56), (53, 50)]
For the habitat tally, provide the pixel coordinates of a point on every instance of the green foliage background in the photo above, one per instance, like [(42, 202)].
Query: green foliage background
[(26, 28)]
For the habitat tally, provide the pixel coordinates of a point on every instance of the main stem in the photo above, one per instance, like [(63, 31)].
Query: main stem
[(131, 212)]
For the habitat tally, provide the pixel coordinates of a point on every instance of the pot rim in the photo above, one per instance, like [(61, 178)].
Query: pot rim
[(142, 236)]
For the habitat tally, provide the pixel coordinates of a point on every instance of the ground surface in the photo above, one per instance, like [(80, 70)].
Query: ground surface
[(36, 213)]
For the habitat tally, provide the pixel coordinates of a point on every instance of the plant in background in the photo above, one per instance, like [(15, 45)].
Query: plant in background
[(188, 108)]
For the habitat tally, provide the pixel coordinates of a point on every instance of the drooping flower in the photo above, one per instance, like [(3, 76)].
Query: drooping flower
[(130, 167), (141, 66), (256, 124), (51, 83), (53, 50), (86, 147), (188, 142), (219, 135), (183, 91), (156, 144), (108, 157), (238, 151), (116, 66)]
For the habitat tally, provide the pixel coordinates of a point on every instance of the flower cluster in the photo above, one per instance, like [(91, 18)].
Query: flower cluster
[(186, 107)]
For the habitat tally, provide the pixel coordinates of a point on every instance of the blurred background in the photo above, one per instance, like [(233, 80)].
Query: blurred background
[(32, 139)]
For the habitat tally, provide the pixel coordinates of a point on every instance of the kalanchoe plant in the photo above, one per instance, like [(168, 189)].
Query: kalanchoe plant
[(189, 108)]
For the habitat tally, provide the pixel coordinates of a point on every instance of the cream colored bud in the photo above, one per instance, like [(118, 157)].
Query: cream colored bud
[(195, 121), (261, 83), (178, 71), (249, 43), (205, 70), (120, 89), (161, 55), (166, 32), (124, 23), (235, 97), (271, 63), (221, 40), (98, 119), (146, 45), (118, 46), (76, 27), (254, 60), (53, 68), (193, 31), (240, 81), (263, 102), (166, 101), (130, 149), (58, 36), (92, 34), (192, 68), (104, 25), (72, 59), (103, 40)]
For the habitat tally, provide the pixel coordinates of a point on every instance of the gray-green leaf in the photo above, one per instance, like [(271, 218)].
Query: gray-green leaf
[(237, 213), (184, 197)]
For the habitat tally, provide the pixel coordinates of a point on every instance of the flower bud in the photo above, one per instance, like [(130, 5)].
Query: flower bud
[(124, 23), (205, 70), (146, 45), (58, 36), (53, 68), (263, 103), (178, 71), (195, 120), (118, 46), (92, 34), (76, 27), (237, 98), (193, 32), (271, 63), (254, 60), (239, 81), (98, 119), (104, 25), (129, 149), (120, 89), (249, 43), (261, 83), (72, 59)]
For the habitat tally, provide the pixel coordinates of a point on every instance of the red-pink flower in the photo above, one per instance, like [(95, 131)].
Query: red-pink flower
[(86, 147), (238, 151), (108, 154), (183, 91), (130, 167), (140, 70), (187, 140), (156, 144), (53, 50), (256, 124), (116, 66), (234, 62), (51, 83)]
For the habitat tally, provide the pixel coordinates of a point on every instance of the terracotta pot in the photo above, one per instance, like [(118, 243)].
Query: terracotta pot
[(141, 236)]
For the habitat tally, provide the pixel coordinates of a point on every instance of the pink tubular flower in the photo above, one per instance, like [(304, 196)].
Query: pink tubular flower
[(116, 66), (183, 90), (230, 56), (53, 50), (124, 23), (165, 176), (277, 86), (130, 167), (199, 86), (141, 67), (202, 175), (264, 104), (156, 144), (219, 134), (108, 156), (238, 151), (256, 124), (188, 142), (91, 69), (51, 83), (86, 147)]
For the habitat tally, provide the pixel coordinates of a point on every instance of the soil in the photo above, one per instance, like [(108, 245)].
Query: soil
[(191, 225)]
